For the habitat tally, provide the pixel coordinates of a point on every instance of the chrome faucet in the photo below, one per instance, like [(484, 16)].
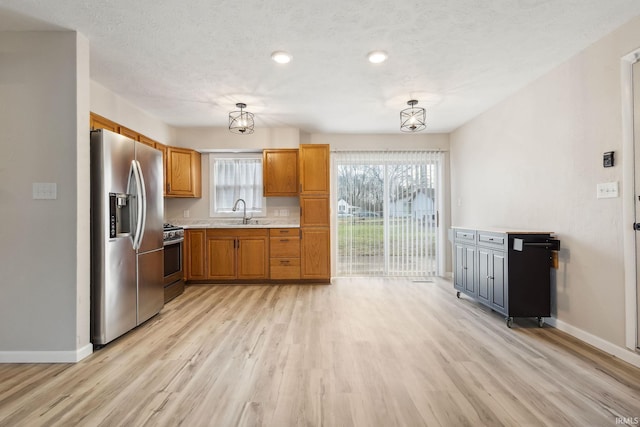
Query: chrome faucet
[(245, 220)]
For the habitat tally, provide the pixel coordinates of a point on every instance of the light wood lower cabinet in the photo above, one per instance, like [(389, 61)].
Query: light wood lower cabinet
[(237, 254), (284, 249), (195, 254), (221, 257), (315, 253), (247, 254)]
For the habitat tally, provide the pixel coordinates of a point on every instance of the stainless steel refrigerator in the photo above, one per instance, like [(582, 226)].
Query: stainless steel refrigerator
[(127, 211)]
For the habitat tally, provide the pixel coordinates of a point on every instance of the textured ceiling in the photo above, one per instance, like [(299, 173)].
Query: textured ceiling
[(189, 62)]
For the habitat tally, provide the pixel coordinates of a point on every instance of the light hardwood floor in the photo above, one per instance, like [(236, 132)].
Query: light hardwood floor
[(360, 352)]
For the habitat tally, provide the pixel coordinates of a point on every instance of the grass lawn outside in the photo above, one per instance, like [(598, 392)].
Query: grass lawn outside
[(361, 248)]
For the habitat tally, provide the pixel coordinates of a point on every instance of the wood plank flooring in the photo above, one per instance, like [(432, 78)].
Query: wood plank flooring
[(360, 352)]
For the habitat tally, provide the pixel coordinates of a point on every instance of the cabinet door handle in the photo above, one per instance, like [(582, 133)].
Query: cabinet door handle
[(284, 240), (491, 239), (284, 231)]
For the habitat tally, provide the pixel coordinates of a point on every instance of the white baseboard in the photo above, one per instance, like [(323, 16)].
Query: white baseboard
[(622, 353), (46, 356)]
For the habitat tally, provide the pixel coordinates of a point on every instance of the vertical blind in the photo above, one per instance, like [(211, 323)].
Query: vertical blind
[(387, 212)]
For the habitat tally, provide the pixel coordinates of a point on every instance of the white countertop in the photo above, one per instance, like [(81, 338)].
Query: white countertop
[(505, 230), (236, 223)]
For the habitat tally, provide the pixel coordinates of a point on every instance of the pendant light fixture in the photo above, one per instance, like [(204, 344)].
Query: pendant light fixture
[(241, 121), (412, 119)]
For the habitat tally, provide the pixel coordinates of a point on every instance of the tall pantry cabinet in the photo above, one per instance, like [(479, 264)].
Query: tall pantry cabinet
[(315, 247)]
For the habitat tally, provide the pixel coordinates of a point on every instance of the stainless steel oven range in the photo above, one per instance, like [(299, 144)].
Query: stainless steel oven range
[(173, 237)]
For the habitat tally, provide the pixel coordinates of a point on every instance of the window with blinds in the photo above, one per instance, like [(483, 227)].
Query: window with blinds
[(387, 212)]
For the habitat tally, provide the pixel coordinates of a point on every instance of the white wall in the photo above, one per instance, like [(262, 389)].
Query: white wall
[(114, 107), (211, 138), (44, 94), (399, 141), (534, 160), (204, 139)]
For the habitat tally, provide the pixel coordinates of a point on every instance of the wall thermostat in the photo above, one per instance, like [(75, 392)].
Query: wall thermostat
[(607, 159)]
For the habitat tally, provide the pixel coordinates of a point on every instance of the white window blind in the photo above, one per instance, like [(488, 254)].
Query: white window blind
[(387, 212), (234, 177)]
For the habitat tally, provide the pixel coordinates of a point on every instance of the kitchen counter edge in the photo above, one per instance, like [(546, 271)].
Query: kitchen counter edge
[(213, 225)]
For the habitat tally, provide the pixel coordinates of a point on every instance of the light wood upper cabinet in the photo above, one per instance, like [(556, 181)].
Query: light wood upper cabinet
[(128, 133), (147, 141), (182, 168), (99, 122), (280, 172), (183, 177), (314, 169)]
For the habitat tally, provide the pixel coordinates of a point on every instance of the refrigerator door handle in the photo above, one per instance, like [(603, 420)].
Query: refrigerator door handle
[(141, 200)]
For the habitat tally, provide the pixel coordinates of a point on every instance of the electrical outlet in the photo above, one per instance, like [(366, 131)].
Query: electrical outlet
[(284, 212), (607, 190), (186, 213)]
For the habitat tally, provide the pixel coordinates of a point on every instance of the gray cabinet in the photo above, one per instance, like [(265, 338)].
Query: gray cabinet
[(508, 272), (492, 279), (465, 262)]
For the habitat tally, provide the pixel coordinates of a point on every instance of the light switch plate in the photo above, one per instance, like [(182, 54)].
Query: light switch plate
[(45, 190), (607, 190)]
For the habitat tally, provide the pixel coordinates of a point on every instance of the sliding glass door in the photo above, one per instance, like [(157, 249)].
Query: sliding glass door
[(387, 213)]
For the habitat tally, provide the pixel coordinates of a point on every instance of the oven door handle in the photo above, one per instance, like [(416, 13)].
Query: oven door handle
[(172, 241)]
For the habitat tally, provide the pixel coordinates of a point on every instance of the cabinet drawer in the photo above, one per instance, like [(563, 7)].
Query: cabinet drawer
[(285, 232), (283, 247), (465, 236), (285, 268), (492, 240)]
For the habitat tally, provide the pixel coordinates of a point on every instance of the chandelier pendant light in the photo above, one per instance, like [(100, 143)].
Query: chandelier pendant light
[(241, 121), (412, 119)]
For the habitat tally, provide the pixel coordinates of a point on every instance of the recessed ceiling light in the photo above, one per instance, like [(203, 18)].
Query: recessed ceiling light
[(281, 57), (377, 56)]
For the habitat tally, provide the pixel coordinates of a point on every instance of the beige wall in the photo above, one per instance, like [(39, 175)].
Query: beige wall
[(534, 160), (44, 308)]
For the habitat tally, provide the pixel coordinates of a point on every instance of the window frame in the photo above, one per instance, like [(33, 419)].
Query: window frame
[(212, 186)]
